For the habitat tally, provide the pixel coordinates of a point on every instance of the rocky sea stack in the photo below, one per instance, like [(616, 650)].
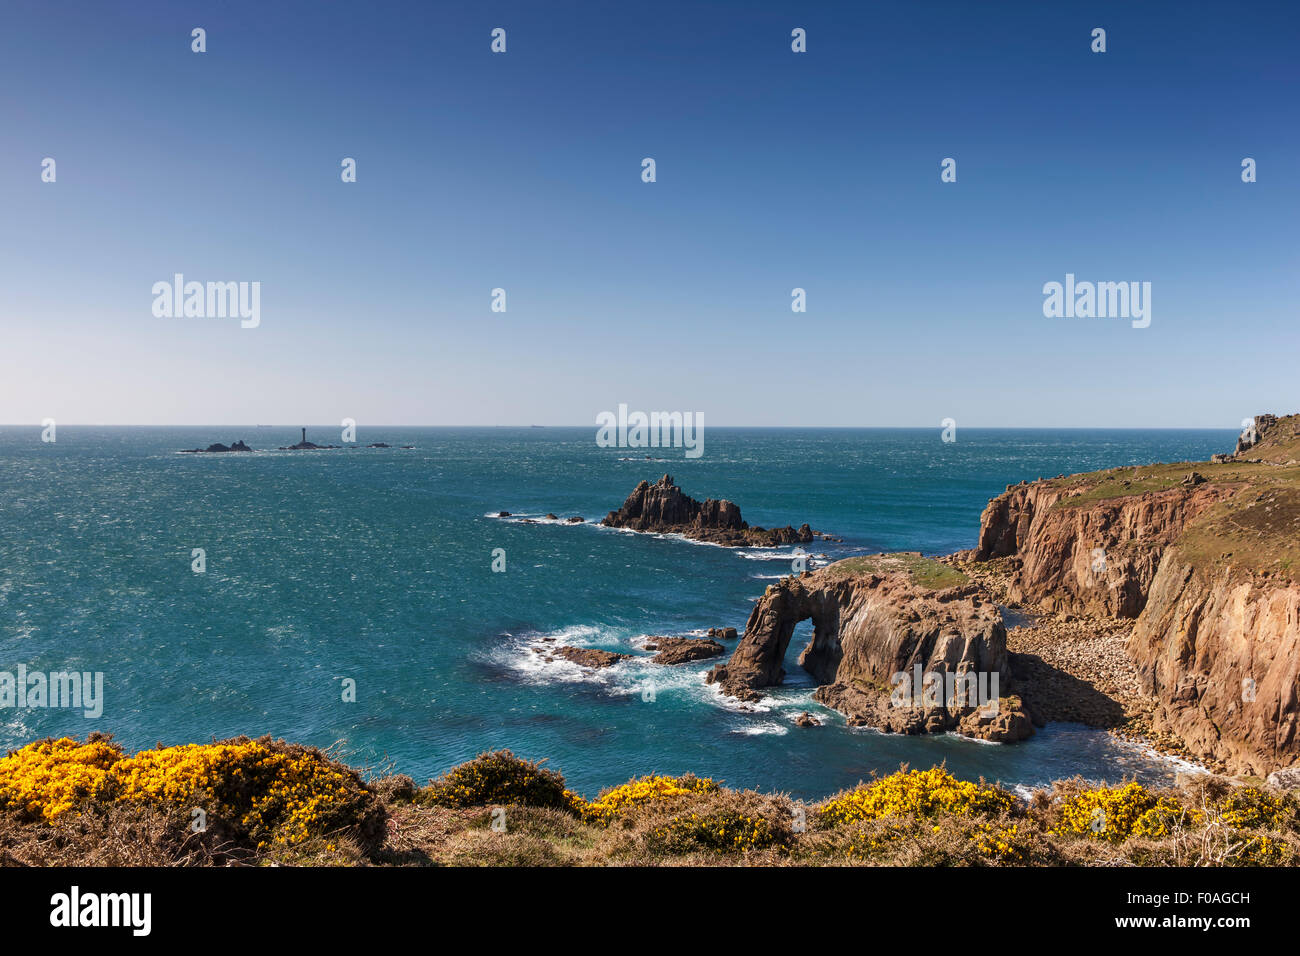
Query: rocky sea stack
[(665, 509), (874, 619)]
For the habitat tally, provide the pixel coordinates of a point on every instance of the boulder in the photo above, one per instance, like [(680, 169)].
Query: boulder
[(1288, 779)]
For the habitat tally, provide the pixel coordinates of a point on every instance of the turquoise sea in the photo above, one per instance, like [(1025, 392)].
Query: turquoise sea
[(375, 565)]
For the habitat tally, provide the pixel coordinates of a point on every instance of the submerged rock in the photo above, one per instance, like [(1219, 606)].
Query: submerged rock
[(217, 448), (682, 650), (588, 656)]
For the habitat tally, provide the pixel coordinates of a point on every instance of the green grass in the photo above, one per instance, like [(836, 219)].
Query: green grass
[(1116, 483), (925, 572), (1279, 444), (1257, 530)]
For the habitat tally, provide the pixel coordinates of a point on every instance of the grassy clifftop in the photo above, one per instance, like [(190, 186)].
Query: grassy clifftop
[(262, 802), (925, 572), (1255, 530)]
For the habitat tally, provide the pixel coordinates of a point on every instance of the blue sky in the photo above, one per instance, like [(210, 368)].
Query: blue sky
[(775, 170)]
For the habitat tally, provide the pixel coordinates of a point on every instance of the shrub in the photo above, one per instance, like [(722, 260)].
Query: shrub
[(726, 831), (500, 778), (1251, 808), (925, 793), (616, 800), (1005, 844), (49, 778), (255, 794), (1114, 814)]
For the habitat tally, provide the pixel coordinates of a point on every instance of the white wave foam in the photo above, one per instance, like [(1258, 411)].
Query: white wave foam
[(973, 740), (762, 727), (519, 517), (663, 536), (1177, 764)]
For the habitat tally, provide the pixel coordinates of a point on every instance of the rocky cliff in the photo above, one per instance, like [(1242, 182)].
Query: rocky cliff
[(664, 508), (1080, 553), (1206, 557), (874, 619), (1221, 653)]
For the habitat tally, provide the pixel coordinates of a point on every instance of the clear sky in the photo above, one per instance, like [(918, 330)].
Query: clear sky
[(775, 170)]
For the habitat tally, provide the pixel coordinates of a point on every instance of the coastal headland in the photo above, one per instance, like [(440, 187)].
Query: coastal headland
[(1161, 602)]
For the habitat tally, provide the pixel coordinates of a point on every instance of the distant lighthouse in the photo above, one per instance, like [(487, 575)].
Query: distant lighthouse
[(304, 435)]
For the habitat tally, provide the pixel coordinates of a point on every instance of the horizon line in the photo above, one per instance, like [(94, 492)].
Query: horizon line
[(38, 425)]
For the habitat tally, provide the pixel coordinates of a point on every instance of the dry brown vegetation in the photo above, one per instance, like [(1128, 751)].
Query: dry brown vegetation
[(523, 816)]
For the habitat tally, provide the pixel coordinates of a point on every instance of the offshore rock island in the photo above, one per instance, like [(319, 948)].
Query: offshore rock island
[(306, 445), (303, 445), (217, 448), (663, 508)]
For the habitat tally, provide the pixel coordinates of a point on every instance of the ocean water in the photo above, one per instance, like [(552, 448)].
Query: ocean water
[(374, 565)]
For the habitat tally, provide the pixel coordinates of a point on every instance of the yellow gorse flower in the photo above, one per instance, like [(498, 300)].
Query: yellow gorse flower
[(642, 790), (1114, 814), (926, 793), (283, 796)]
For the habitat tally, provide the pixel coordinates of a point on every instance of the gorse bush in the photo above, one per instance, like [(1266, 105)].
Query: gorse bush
[(49, 778), (65, 802), (1252, 809), (1116, 813), (254, 794), (924, 793), (1005, 844), (726, 831), (641, 791), (500, 778)]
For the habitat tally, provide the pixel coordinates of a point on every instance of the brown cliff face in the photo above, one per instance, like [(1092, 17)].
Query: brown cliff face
[(1221, 655), (1208, 563), (1091, 557), (869, 627), (664, 508)]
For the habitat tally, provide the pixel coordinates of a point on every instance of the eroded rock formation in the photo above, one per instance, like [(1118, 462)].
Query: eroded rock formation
[(664, 508), (867, 629)]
